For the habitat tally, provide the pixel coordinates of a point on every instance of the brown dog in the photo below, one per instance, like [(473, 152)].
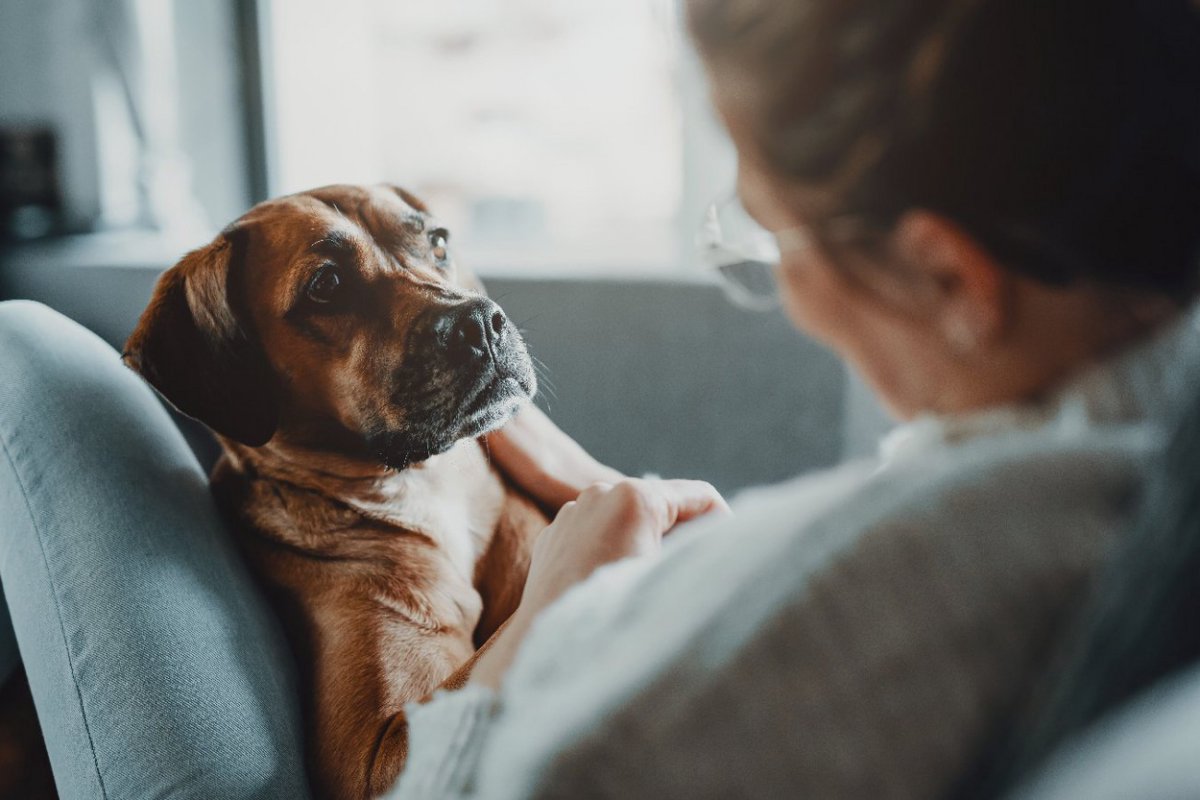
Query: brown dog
[(347, 366)]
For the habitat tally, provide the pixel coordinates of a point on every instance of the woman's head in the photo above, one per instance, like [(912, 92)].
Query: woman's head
[(1008, 157)]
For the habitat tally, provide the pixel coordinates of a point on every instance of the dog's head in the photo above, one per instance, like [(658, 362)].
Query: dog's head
[(337, 320)]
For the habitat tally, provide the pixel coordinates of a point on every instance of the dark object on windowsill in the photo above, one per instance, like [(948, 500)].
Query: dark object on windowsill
[(30, 201)]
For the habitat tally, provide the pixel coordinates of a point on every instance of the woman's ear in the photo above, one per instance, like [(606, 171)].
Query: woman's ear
[(191, 347), (965, 292)]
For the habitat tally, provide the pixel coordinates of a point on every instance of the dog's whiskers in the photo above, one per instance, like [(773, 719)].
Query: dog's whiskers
[(544, 374), (542, 369), (521, 326), (547, 388)]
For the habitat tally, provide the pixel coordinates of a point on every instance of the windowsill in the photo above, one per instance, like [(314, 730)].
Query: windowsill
[(133, 248), (151, 250)]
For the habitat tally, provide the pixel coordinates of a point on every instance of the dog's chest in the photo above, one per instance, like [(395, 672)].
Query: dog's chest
[(454, 498)]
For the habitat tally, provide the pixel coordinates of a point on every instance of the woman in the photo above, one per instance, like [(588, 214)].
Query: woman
[(992, 211)]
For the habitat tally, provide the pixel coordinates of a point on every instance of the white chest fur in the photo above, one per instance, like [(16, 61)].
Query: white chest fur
[(454, 498)]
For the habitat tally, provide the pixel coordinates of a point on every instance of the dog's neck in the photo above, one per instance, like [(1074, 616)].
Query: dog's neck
[(455, 497)]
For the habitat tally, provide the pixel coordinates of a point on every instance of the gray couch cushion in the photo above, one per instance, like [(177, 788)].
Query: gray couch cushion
[(1150, 750)]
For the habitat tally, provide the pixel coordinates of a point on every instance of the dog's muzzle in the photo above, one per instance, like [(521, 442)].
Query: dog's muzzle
[(465, 373)]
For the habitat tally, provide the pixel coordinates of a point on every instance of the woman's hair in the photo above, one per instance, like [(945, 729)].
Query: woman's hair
[(1063, 134)]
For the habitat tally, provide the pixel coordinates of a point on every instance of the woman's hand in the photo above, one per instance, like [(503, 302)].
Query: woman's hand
[(546, 463), (608, 522)]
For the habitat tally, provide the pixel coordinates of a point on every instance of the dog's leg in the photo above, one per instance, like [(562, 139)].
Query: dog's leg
[(389, 757), (500, 573), (364, 675), (500, 579)]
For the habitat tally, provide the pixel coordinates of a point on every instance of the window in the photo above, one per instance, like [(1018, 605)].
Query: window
[(548, 136)]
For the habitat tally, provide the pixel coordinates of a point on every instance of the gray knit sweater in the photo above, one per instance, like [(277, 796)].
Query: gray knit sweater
[(851, 634)]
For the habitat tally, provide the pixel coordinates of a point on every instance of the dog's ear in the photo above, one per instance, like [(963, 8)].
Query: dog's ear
[(191, 347)]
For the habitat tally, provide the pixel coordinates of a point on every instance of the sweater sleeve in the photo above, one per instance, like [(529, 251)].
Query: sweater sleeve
[(448, 733), (863, 652), (444, 737)]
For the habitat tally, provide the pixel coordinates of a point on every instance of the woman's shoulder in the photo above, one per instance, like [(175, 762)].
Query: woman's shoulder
[(1019, 471), (1023, 505), (1014, 472)]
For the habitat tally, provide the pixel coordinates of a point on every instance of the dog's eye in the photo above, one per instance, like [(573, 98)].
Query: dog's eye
[(439, 240), (324, 284)]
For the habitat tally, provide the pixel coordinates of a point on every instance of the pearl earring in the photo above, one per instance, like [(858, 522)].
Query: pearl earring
[(961, 336)]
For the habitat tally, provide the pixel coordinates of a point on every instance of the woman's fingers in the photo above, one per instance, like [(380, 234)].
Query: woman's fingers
[(692, 499), (656, 504)]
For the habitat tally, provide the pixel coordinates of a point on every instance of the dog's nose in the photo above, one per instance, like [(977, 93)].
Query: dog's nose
[(472, 330)]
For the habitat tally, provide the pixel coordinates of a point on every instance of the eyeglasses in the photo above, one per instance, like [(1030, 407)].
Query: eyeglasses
[(745, 254)]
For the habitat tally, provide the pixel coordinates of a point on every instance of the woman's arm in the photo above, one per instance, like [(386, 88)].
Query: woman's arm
[(607, 523), (549, 465), (601, 517), (593, 505), (860, 649)]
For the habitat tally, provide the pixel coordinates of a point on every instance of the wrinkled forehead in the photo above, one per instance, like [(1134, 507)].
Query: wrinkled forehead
[(351, 220), (371, 231)]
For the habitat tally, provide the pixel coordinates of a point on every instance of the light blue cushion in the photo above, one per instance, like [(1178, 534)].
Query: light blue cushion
[(156, 668)]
